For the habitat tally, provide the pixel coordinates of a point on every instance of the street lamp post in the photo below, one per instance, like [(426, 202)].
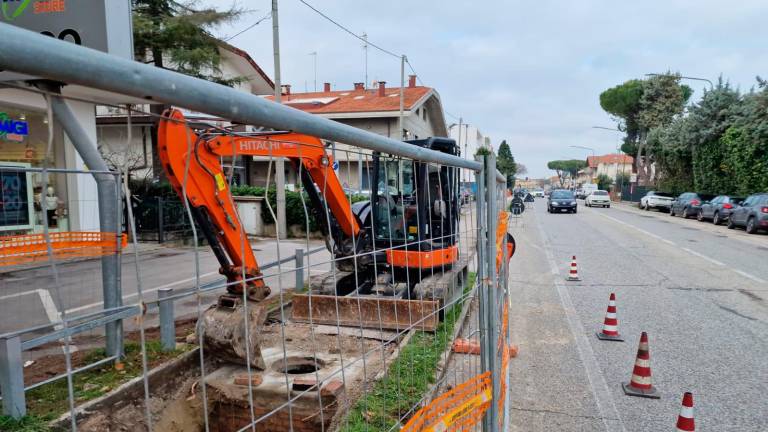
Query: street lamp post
[(624, 157), (586, 148), (314, 55)]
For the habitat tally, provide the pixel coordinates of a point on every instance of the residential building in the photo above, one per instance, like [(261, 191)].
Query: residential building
[(611, 165), (470, 139), (530, 184), (375, 110)]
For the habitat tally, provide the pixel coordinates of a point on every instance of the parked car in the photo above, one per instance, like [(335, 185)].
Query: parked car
[(686, 205), (598, 198), (718, 209), (752, 214), (562, 200), (657, 200)]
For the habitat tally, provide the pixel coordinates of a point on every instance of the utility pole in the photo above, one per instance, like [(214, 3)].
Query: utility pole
[(402, 96), (282, 231), (314, 54), (365, 54)]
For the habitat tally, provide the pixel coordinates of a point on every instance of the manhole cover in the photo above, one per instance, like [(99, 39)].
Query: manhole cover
[(693, 241), (297, 365)]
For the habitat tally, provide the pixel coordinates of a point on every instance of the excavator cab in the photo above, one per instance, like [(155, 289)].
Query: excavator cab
[(415, 212), (415, 205)]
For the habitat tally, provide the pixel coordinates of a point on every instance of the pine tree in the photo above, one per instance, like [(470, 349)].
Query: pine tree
[(175, 35)]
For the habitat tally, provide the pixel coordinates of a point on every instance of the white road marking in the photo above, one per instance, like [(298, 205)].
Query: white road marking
[(146, 291), (51, 311), (749, 276), (595, 376), (690, 251), (702, 256)]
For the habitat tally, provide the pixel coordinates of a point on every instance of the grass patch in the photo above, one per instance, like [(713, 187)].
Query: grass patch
[(24, 424), (50, 401), (409, 377)]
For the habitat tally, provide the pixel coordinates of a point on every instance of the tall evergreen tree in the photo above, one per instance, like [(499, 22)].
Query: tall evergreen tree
[(505, 163)]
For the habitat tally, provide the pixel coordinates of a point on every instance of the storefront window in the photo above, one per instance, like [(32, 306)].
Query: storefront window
[(23, 144)]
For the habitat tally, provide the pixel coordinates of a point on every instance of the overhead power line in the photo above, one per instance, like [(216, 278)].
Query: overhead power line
[(339, 25), (259, 21)]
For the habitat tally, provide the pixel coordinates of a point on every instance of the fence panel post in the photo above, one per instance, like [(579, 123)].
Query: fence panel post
[(12, 377), (299, 270), (492, 311), (167, 320)]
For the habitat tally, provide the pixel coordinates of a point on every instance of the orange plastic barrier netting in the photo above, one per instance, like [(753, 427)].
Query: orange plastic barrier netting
[(461, 407), (30, 248)]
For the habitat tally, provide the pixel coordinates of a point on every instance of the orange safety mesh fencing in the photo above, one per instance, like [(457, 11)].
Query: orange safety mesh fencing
[(503, 348), (461, 407), (31, 248)]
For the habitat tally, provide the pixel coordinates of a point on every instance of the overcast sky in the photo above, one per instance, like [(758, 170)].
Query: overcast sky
[(529, 72)]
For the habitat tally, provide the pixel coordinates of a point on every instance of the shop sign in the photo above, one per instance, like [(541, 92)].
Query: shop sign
[(104, 25), (12, 129)]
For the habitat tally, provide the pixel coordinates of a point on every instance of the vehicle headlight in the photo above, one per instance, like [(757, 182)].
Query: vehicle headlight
[(554, 202)]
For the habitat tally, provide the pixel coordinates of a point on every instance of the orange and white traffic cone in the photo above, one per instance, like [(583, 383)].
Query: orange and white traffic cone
[(685, 421), (573, 274), (640, 384), (610, 330)]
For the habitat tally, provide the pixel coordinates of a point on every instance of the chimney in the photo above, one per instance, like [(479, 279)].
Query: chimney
[(326, 87), (286, 89), (359, 86), (382, 88), (411, 80)]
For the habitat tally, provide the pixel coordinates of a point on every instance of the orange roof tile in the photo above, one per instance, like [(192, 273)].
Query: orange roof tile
[(614, 158), (350, 101)]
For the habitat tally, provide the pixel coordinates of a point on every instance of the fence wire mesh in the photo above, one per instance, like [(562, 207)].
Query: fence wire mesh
[(385, 307)]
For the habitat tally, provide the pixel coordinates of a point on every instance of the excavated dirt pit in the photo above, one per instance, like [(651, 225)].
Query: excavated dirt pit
[(176, 402)]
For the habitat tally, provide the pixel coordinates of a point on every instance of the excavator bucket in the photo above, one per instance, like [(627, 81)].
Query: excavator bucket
[(366, 312), (224, 328)]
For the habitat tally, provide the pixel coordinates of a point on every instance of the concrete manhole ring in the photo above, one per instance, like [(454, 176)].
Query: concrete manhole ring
[(297, 365)]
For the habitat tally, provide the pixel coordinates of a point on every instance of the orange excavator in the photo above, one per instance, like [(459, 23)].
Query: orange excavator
[(396, 256)]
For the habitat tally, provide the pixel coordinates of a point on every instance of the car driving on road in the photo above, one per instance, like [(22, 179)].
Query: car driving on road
[(686, 205), (718, 209), (657, 200), (598, 198), (561, 200), (752, 214)]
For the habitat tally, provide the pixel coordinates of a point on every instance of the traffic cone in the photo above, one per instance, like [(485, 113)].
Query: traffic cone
[(685, 419), (610, 330), (573, 275), (640, 384)]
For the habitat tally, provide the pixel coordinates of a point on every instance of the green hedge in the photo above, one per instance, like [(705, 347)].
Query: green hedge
[(294, 207)]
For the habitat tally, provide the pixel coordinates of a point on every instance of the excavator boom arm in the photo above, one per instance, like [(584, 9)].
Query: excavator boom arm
[(192, 163)]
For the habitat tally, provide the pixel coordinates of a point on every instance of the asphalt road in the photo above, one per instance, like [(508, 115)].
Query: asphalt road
[(699, 291), (31, 297)]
